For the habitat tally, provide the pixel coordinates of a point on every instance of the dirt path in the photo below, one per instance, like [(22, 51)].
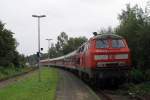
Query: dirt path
[(72, 88)]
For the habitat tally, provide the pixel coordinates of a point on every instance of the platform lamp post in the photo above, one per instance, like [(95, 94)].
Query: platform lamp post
[(39, 49), (49, 49)]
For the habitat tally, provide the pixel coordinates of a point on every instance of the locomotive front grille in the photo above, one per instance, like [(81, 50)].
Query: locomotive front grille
[(110, 64)]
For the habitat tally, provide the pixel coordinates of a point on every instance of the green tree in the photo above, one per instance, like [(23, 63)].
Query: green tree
[(8, 54), (8, 46), (135, 26), (32, 59), (64, 46), (61, 41), (109, 30), (53, 51), (73, 44)]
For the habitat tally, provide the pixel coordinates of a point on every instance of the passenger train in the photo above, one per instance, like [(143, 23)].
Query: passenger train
[(105, 56)]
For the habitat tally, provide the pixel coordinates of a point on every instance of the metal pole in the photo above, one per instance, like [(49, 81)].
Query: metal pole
[(39, 49)]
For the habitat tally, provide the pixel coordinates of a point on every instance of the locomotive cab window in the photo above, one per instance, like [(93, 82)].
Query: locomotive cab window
[(81, 49), (118, 43), (102, 43)]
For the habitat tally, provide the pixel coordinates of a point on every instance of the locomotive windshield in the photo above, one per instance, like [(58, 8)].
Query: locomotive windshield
[(102, 43), (118, 43)]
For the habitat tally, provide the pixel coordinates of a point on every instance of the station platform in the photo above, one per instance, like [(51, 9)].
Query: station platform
[(72, 88)]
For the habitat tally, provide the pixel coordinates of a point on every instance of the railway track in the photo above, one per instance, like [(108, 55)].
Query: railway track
[(103, 95), (110, 95)]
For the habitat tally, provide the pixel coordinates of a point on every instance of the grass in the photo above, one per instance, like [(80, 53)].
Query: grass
[(31, 89), (8, 71)]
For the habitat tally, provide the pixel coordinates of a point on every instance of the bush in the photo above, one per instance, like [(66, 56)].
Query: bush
[(137, 76), (140, 89), (147, 75)]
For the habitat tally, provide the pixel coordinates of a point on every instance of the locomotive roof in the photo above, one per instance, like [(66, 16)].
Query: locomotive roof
[(104, 36)]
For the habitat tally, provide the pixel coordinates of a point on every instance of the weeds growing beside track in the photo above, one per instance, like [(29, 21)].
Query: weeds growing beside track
[(9, 72), (31, 89)]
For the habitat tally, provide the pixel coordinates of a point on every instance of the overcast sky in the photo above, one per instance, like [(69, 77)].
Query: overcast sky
[(75, 17)]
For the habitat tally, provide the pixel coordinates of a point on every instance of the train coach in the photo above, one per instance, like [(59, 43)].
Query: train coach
[(104, 56)]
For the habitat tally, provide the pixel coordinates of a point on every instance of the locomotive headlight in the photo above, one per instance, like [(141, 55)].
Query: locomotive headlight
[(121, 56), (101, 57)]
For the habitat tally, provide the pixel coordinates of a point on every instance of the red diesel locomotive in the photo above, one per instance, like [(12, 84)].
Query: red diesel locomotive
[(103, 56)]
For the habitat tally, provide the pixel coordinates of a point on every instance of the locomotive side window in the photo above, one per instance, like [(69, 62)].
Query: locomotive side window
[(102, 43), (118, 43)]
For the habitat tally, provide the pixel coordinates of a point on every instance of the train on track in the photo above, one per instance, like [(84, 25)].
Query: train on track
[(104, 56)]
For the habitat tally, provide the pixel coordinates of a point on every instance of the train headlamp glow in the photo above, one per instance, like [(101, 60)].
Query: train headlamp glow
[(121, 56), (101, 57)]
